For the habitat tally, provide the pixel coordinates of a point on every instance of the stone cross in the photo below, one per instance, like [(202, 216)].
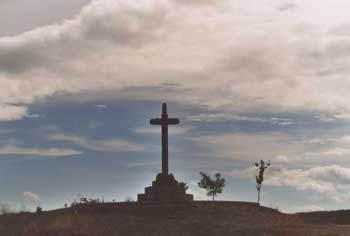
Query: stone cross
[(164, 121)]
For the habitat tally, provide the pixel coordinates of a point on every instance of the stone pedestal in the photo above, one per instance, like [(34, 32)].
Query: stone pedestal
[(165, 188)]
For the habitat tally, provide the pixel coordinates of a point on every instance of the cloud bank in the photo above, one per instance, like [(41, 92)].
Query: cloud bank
[(330, 182), (190, 54)]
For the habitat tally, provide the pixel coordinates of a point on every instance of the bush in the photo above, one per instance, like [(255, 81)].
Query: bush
[(5, 209)]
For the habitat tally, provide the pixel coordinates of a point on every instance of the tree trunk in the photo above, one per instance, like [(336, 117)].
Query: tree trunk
[(259, 197), (213, 197)]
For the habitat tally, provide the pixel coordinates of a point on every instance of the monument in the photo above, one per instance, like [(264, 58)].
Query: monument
[(165, 187)]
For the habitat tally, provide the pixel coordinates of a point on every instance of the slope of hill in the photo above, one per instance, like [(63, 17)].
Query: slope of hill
[(197, 218)]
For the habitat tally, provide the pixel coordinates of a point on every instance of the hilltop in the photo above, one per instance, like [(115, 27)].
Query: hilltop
[(196, 218)]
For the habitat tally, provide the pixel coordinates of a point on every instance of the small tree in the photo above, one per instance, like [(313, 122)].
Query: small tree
[(183, 185), (213, 187), (262, 166), (39, 210)]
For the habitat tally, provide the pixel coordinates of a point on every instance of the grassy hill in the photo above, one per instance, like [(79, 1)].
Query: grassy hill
[(197, 218)]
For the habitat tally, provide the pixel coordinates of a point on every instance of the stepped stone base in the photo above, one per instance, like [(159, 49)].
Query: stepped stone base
[(165, 188)]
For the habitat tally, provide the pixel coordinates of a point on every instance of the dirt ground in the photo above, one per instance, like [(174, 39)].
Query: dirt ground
[(196, 218)]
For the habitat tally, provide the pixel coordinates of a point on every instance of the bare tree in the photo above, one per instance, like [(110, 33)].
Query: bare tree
[(262, 166)]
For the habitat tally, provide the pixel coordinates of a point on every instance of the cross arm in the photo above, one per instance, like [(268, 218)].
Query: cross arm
[(156, 121), (170, 121), (173, 121)]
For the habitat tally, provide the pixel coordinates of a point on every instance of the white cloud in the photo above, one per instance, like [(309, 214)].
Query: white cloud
[(110, 145), (36, 13), (329, 152), (248, 64), (276, 146), (32, 198), (35, 64), (248, 173), (233, 117), (331, 148), (249, 147), (202, 2), (303, 208), (173, 130), (198, 193), (10, 112), (51, 152), (101, 106), (282, 158), (287, 6), (329, 182)]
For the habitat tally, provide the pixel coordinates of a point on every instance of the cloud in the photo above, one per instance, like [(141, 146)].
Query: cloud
[(11, 112), (101, 106), (302, 208), (249, 147), (14, 21), (39, 63), (329, 182), (287, 6), (232, 117), (249, 64), (173, 130), (326, 148), (198, 193), (248, 173), (110, 145), (32, 198), (337, 152), (135, 23), (114, 22), (51, 152), (282, 158), (143, 164), (6, 131), (201, 2), (279, 147)]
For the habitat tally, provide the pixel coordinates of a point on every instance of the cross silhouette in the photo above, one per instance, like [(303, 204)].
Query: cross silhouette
[(164, 121)]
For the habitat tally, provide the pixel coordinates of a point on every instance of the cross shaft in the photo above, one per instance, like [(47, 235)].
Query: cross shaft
[(164, 121)]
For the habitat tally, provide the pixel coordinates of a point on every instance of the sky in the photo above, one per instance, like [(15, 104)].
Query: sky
[(249, 80)]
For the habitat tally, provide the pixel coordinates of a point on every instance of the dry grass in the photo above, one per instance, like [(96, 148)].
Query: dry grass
[(197, 218)]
